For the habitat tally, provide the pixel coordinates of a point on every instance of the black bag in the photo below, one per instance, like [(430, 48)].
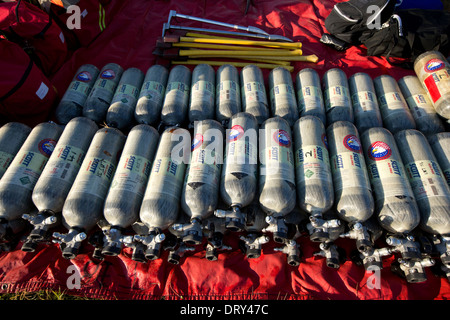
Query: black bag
[(351, 22), (411, 32)]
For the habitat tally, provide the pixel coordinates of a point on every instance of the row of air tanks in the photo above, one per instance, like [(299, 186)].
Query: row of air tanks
[(267, 179), (179, 97)]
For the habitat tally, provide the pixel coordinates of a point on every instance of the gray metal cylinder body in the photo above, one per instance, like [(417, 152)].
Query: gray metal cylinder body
[(161, 202), (393, 107), (120, 113), (151, 97), (395, 205), (228, 92), (253, 92), (365, 104), (125, 195), (73, 100), (309, 94), (312, 166), (16, 185), (427, 181), (176, 99), (53, 186), (338, 105), (352, 191), (12, 137), (440, 143), (202, 100), (282, 95), (277, 173), (99, 100)]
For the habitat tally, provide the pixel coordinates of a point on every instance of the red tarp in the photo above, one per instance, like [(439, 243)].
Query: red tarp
[(129, 41)]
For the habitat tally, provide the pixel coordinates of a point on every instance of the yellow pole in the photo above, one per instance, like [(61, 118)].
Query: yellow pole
[(236, 64), (310, 58), (261, 59), (289, 45), (223, 47), (228, 53)]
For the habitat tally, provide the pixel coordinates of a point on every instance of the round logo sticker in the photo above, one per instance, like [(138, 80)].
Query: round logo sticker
[(379, 150), (197, 142), (47, 146), (324, 140), (108, 74), (282, 138), (236, 132), (351, 142), (84, 76), (434, 65)]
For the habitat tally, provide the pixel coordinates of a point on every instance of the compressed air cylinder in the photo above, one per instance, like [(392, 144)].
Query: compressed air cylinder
[(17, 183), (12, 136), (422, 110), (314, 182), (365, 104), (338, 104), (176, 99), (99, 100), (200, 194), (73, 101), (395, 205), (125, 195), (282, 95), (352, 192), (201, 104), (83, 207), (309, 94), (228, 93), (440, 144), (253, 91), (57, 178), (277, 173), (121, 111), (238, 183), (149, 104), (433, 71), (393, 107), (161, 202), (427, 181)]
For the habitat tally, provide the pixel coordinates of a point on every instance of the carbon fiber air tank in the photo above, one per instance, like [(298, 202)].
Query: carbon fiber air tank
[(422, 110), (83, 207), (161, 203), (314, 182), (352, 191), (125, 195), (277, 173), (151, 97), (427, 181), (73, 100), (176, 100), (200, 194), (364, 100), (253, 92), (54, 183), (238, 183), (17, 183), (228, 93), (338, 104), (120, 113), (283, 102), (395, 205), (12, 136), (99, 100), (440, 144), (433, 71), (393, 107), (202, 100), (309, 94)]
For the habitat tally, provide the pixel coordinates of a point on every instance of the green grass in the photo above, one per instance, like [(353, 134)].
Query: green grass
[(45, 294)]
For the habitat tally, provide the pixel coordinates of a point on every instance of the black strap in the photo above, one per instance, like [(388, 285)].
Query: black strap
[(20, 83), (40, 34)]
